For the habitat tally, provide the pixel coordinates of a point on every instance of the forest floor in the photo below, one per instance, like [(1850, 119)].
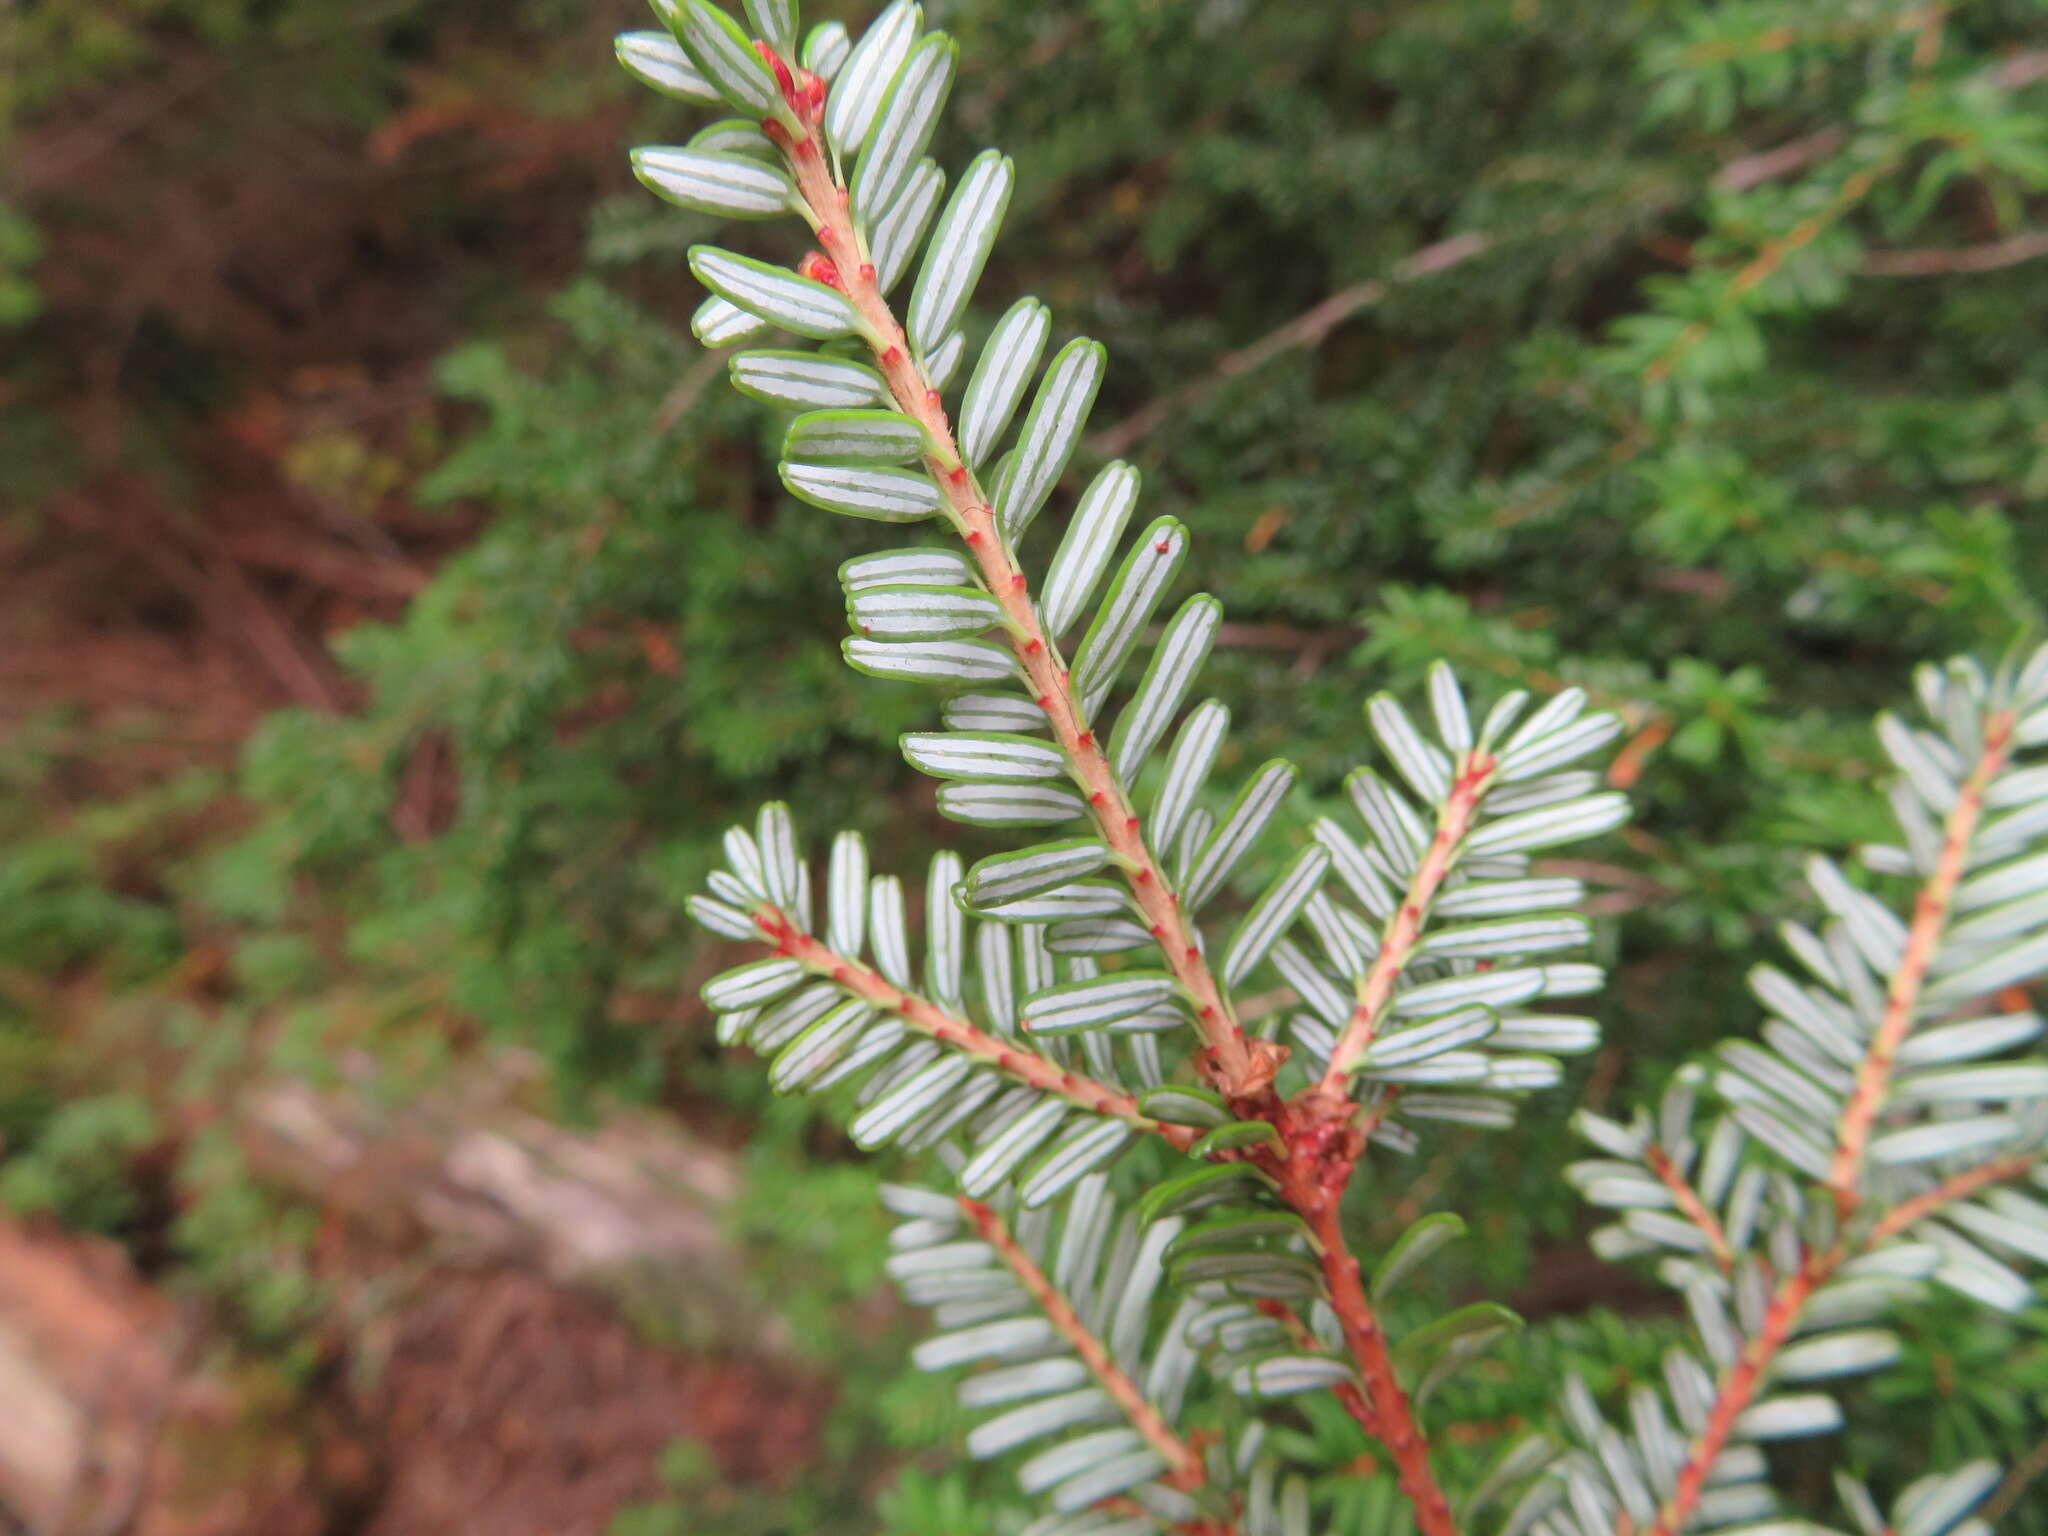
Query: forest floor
[(237, 343)]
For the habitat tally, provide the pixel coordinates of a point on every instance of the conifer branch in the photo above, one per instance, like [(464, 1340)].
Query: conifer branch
[(1238, 1066), (1691, 1205), (1741, 1382), (1737, 1390), (1901, 1217), (1389, 1418), (1753, 170), (928, 1018), (1773, 256), (1781, 38), (1183, 1462), (1475, 776), (1317, 1148), (1931, 909)]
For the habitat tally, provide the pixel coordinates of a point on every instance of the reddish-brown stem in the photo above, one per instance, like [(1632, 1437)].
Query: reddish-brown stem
[(1738, 1389), (1240, 1067), (1184, 1465), (1960, 1187), (928, 1018), (1692, 1206), (1404, 929), (1389, 1418), (1902, 995)]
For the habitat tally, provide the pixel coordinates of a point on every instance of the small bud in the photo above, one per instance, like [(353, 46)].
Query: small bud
[(783, 79), (812, 90), (819, 268)]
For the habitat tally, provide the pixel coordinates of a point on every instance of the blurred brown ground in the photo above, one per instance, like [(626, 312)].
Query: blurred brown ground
[(249, 308)]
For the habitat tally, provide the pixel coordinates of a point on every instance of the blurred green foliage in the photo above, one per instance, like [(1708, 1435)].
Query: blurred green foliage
[(1712, 392)]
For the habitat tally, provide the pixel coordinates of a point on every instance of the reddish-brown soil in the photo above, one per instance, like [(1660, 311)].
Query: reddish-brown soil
[(494, 1401), (516, 1408)]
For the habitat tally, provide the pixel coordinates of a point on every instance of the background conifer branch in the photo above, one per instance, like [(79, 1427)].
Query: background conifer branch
[(1805, 1270), (1940, 261), (1738, 1388), (1931, 911)]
